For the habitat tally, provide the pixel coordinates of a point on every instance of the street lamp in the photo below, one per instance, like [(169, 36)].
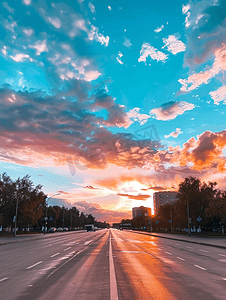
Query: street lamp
[(189, 230), (46, 218)]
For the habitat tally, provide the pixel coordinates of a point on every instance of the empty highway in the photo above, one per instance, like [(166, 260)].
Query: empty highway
[(110, 264)]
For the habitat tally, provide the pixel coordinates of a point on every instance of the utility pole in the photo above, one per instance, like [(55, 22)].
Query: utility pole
[(71, 219), (189, 229), (171, 213), (16, 216)]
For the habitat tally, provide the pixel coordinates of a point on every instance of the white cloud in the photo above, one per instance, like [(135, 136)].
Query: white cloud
[(118, 58), (173, 44), (10, 9), (127, 43), (81, 25), (134, 115), (158, 29), (27, 2), (109, 7), (174, 133), (148, 50), (4, 52), (55, 22), (28, 32), (40, 46), (185, 10), (20, 57), (219, 95), (92, 8), (95, 35), (171, 110), (92, 75)]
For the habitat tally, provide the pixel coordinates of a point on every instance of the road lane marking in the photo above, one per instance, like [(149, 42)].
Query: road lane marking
[(200, 267), (203, 250), (168, 253), (181, 258), (224, 278), (178, 244), (67, 248), (188, 247), (159, 249), (34, 265), (55, 254), (113, 284), (3, 279), (88, 242), (222, 255)]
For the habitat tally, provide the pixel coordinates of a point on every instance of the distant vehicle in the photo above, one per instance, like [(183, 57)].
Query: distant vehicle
[(89, 227), (65, 229), (52, 229), (60, 229)]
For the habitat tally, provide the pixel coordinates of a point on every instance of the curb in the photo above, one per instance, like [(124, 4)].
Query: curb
[(192, 242), (31, 239)]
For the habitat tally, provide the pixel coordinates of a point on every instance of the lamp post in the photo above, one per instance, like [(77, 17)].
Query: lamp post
[(46, 218), (189, 230), (16, 216)]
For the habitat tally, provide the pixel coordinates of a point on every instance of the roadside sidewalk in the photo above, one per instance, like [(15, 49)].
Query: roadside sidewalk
[(32, 237), (206, 241)]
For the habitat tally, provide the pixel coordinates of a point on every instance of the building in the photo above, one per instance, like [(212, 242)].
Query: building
[(141, 211), (163, 198)]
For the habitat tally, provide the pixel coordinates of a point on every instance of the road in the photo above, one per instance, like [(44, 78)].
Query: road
[(111, 264)]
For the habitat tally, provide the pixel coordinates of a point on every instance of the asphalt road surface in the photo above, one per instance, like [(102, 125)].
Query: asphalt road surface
[(111, 264)]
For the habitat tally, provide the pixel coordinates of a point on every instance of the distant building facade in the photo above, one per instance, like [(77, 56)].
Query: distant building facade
[(163, 198), (141, 211)]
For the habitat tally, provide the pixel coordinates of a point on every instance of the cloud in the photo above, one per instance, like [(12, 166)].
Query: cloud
[(219, 95), (127, 43), (55, 22), (134, 115), (173, 44), (40, 47), (94, 34), (148, 50), (197, 79), (158, 29), (185, 11), (20, 57), (92, 8), (118, 58), (174, 133), (171, 110), (29, 31), (6, 6), (109, 7), (27, 2), (135, 197)]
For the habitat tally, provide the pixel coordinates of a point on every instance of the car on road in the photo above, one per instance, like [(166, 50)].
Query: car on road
[(52, 229), (65, 229), (60, 229)]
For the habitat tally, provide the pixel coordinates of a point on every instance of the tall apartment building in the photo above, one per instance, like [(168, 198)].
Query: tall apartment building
[(163, 198), (141, 211)]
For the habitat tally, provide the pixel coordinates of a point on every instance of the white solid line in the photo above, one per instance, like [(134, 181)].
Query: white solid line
[(200, 267), (181, 258), (168, 253), (221, 254), (55, 254), (3, 279), (113, 284), (67, 248), (203, 250), (34, 265)]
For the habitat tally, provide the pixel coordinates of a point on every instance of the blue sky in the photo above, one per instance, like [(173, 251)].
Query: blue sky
[(86, 85)]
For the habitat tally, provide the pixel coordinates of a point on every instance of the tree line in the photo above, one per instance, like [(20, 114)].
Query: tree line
[(32, 207)]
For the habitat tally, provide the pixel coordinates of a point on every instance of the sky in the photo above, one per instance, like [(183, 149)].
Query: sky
[(107, 102)]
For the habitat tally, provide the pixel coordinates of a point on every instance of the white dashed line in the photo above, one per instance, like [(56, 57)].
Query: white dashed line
[(200, 267), (55, 254), (181, 258), (34, 265), (168, 253), (178, 244), (222, 255), (203, 250), (3, 279), (224, 278), (189, 247), (67, 248), (159, 249)]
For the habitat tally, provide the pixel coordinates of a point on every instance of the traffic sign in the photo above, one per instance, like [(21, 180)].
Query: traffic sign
[(156, 222), (199, 219), (45, 218), (50, 218), (170, 221)]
